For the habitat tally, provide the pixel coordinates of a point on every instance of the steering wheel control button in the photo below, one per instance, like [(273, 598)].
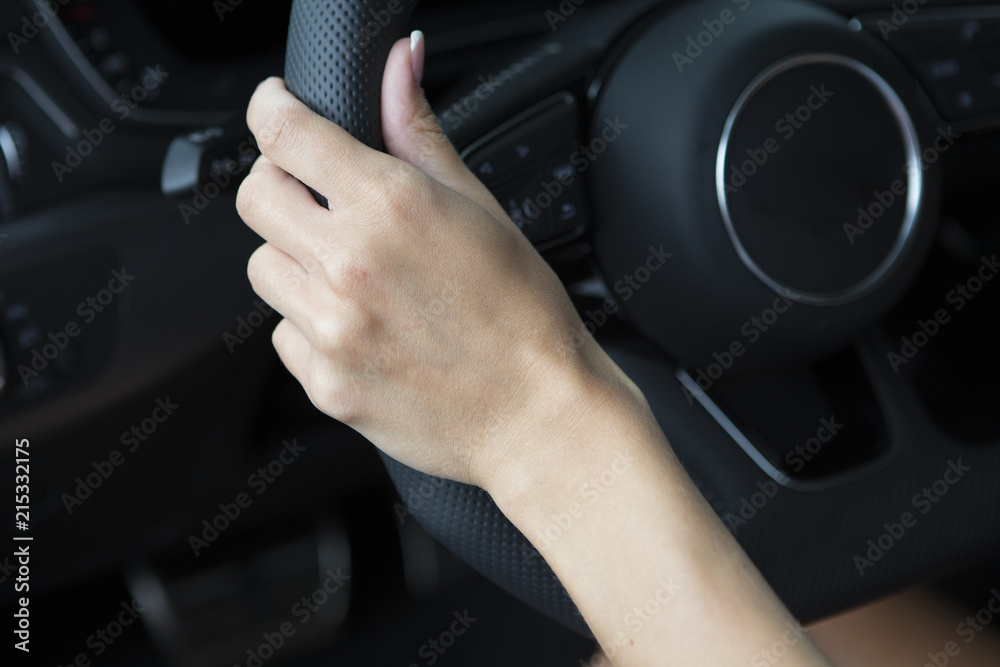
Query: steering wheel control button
[(563, 180), (486, 170), (561, 169), (519, 198), (955, 59), (818, 221), (519, 144), (527, 165)]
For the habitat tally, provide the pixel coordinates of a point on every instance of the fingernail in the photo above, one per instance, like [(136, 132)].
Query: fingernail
[(417, 55)]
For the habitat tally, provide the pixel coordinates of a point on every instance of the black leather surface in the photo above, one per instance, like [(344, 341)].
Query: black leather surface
[(336, 54)]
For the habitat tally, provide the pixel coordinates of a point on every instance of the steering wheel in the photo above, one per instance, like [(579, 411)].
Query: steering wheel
[(774, 157), (334, 65)]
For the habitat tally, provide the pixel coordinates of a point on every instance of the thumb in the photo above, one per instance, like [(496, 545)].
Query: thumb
[(411, 131)]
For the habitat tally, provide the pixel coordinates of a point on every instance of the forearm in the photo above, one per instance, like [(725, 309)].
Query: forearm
[(654, 572), (416, 312)]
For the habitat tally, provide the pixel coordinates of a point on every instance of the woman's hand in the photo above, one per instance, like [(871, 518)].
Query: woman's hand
[(417, 313), (415, 310)]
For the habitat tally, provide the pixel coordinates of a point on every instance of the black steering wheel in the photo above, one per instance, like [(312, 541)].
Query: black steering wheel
[(772, 164), (336, 54)]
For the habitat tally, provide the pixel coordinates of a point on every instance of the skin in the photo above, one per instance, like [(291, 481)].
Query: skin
[(913, 628), (416, 291)]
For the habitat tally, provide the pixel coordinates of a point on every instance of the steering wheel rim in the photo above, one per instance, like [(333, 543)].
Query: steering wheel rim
[(335, 58), (709, 445)]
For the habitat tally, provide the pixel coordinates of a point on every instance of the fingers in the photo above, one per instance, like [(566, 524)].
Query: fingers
[(330, 391), (325, 157), (292, 346), (282, 211), (313, 149), (411, 131), (322, 303), (279, 280), (294, 350), (304, 298)]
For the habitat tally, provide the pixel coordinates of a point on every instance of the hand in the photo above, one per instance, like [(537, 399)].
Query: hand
[(417, 313), (415, 310)]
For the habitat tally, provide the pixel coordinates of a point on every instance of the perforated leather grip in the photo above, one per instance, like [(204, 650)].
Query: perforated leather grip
[(336, 54), (466, 520)]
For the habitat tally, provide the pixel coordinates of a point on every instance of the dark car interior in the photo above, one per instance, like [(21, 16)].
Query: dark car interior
[(779, 217)]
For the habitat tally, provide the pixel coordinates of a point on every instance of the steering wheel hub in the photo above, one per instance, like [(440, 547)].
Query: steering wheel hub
[(844, 138), (783, 161)]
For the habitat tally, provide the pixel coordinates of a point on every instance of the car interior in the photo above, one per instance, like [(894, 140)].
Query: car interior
[(778, 217)]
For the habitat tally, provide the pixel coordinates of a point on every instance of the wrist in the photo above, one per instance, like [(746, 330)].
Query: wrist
[(586, 428)]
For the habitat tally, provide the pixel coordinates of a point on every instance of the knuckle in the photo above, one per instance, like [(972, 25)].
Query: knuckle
[(279, 335), (331, 336), (436, 142), (248, 194), (392, 198), (340, 400), (279, 128), (255, 267), (348, 276)]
